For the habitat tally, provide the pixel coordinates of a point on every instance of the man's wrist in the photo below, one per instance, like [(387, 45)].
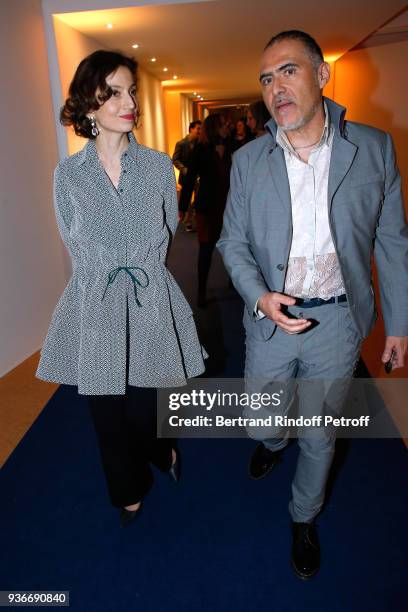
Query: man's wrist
[(257, 312)]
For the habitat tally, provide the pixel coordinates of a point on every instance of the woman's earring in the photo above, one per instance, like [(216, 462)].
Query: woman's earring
[(94, 127)]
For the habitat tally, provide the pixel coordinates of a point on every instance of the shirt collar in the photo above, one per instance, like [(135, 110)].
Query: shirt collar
[(326, 137), (90, 155)]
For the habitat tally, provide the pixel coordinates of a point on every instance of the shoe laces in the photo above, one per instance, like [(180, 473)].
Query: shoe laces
[(306, 533)]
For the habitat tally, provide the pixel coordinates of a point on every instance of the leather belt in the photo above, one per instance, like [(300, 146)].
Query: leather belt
[(313, 302)]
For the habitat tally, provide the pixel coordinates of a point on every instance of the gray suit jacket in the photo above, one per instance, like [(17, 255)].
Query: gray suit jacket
[(120, 286), (181, 157), (366, 215)]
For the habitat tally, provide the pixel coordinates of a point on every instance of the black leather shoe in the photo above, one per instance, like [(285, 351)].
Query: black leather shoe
[(129, 516), (305, 550), (174, 471), (262, 461)]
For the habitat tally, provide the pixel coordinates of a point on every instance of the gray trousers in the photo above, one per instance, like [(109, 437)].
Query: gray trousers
[(319, 363)]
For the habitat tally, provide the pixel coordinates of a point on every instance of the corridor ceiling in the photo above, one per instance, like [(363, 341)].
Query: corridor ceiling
[(214, 46)]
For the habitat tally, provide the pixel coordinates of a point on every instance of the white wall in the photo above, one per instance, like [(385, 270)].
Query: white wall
[(31, 257), (34, 266)]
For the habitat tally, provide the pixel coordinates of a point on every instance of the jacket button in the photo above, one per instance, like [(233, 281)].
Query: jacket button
[(280, 267)]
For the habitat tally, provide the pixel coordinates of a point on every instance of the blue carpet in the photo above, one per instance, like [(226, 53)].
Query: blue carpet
[(216, 542)]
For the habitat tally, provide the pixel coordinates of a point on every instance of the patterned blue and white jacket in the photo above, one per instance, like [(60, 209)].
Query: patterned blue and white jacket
[(118, 240)]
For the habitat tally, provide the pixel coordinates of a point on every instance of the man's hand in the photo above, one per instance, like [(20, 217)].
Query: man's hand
[(398, 344), (271, 304)]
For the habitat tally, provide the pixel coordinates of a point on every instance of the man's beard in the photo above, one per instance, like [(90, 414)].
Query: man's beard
[(302, 121)]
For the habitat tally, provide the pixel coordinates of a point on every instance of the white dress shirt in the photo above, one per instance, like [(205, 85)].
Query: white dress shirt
[(313, 269)]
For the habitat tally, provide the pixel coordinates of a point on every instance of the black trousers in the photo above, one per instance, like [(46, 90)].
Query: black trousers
[(126, 431)]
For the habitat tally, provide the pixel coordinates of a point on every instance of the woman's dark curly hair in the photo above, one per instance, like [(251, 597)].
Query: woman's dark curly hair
[(89, 76), (210, 129)]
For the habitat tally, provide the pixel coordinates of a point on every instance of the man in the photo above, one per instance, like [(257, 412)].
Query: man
[(309, 203), (181, 156)]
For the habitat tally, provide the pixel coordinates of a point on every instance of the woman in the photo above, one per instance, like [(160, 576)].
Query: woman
[(211, 163), (122, 327), (241, 135), (257, 116)]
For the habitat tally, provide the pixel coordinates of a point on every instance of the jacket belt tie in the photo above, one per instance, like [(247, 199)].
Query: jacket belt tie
[(113, 274)]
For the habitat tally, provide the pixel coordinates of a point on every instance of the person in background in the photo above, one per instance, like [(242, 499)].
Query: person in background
[(241, 135), (210, 162), (229, 124), (257, 117), (122, 327), (181, 156)]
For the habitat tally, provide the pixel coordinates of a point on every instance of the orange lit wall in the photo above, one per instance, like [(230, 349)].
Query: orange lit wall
[(328, 91), (371, 84), (151, 131), (186, 108), (172, 110)]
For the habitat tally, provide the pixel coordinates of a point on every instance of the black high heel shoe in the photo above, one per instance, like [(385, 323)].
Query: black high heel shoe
[(175, 468), (129, 516)]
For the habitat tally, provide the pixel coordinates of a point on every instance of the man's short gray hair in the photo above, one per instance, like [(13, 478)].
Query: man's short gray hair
[(312, 48)]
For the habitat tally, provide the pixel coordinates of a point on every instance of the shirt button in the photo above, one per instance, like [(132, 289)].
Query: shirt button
[(121, 190), (124, 171), (280, 267)]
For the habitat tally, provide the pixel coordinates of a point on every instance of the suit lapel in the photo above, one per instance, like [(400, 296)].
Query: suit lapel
[(277, 167), (342, 157)]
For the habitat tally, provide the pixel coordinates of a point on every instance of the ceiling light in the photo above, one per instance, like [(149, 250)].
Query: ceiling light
[(194, 93), (165, 69), (109, 26), (136, 46), (332, 58), (153, 59), (175, 76)]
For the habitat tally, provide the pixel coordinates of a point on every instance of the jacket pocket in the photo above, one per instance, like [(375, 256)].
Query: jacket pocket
[(364, 180), (260, 329)]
